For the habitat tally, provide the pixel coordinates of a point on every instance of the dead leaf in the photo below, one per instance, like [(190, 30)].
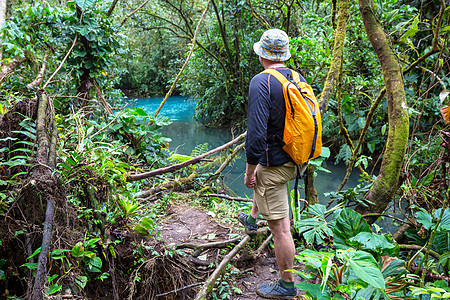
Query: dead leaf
[(445, 111)]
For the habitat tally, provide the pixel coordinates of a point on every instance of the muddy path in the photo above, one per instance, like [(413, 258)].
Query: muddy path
[(193, 226)]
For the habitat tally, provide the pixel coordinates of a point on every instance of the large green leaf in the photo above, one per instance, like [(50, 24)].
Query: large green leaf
[(425, 219), (314, 290), (444, 226), (313, 229), (312, 258), (349, 223), (54, 288), (78, 250), (413, 28), (364, 265), (393, 268), (83, 4), (327, 263), (372, 241)]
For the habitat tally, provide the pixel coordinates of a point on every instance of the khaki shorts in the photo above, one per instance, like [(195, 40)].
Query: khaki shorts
[(270, 192)]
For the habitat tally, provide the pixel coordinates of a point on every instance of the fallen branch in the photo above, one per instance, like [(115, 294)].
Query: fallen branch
[(180, 289), (419, 248), (209, 284), (191, 161), (263, 245), (386, 215), (41, 270), (167, 186), (202, 247), (40, 75), (228, 197), (229, 158), (400, 232)]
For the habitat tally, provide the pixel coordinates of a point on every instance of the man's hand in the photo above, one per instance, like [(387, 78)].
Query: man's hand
[(250, 176)]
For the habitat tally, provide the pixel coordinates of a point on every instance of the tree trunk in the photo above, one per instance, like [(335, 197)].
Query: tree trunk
[(2, 12), (310, 190), (338, 56), (332, 80), (387, 182)]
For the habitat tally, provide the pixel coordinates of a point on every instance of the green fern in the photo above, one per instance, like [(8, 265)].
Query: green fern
[(200, 149)]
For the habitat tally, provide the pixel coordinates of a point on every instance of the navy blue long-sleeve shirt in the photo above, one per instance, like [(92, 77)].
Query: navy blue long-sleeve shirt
[(265, 120)]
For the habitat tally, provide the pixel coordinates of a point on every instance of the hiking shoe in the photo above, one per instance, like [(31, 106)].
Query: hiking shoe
[(250, 229), (276, 290)]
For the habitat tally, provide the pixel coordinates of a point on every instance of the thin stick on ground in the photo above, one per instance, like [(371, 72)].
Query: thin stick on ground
[(209, 284), (180, 289), (263, 245)]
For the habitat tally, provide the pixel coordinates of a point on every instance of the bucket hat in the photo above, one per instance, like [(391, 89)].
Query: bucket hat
[(273, 45)]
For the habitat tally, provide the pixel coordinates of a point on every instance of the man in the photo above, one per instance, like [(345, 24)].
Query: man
[(269, 167)]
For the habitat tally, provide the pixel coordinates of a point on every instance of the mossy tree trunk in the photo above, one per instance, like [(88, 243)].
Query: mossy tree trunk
[(334, 74), (387, 182), (333, 78)]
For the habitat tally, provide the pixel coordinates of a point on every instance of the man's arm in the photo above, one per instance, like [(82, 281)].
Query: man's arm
[(250, 178)]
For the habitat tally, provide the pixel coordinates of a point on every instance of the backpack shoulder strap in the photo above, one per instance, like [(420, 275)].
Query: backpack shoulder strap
[(276, 74), (295, 76)]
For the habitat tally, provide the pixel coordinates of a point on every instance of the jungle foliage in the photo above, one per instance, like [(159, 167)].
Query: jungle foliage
[(85, 55)]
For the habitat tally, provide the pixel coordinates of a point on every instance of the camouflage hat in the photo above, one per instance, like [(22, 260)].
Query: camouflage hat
[(273, 45)]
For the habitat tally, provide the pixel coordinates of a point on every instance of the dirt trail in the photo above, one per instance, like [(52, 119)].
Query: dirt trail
[(190, 225)]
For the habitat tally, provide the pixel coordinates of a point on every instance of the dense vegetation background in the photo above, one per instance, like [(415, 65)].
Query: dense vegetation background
[(72, 195)]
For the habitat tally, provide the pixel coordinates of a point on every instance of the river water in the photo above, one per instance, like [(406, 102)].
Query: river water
[(186, 134)]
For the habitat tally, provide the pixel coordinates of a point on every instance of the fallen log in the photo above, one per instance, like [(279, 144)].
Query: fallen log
[(44, 157), (167, 186), (227, 197), (191, 161)]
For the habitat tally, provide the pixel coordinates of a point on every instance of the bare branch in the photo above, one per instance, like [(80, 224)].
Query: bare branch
[(186, 62), (133, 12), (184, 164), (62, 62)]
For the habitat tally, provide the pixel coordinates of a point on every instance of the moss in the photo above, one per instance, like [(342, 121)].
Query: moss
[(334, 74), (387, 182)]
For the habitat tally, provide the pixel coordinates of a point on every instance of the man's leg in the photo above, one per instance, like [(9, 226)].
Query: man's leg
[(284, 246), (254, 212)]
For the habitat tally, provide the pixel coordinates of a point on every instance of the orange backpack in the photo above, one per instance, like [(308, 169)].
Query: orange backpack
[(303, 128)]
